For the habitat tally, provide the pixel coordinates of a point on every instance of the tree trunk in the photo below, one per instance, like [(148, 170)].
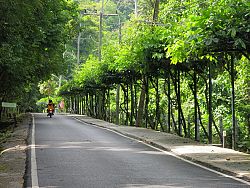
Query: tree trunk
[(135, 100), (123, 104), (157, 103), (207, 96), (87, 104), (195, 105), (181, 119), (108, 106), (169, 103), (127, 105), (84, 104), (248, 116), (210, 113), (147, 101), (80, 104), (156, 10), (178, 95), (168, 93), (141, 104), (92, 105), (201, 124), (117, 105), (132, 102), (198, 119)]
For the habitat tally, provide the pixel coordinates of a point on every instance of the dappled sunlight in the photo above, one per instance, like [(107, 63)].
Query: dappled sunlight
[(15, 148), (77, 115), (154, 186), (213, 154), (85, 145), (65, 145), (226, 159), (230, 159), (111, 149), (192, 149), (39, 146), (78, 145), (242, 173), (152, 152)]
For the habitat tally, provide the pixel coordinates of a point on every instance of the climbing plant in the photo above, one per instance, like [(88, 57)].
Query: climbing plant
[(180, 67)]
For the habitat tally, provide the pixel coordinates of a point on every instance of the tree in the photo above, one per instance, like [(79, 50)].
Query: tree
[(32, 41)]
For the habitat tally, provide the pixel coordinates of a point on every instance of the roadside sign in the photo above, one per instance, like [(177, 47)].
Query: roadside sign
[(8, 105)]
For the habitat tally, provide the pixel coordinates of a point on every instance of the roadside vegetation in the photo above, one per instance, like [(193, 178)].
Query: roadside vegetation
[(177, 67)]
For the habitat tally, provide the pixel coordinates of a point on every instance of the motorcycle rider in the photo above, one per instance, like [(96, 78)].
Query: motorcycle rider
[(50, 106)]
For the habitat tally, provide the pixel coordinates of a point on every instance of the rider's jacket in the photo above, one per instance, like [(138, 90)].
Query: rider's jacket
[(51, 106)]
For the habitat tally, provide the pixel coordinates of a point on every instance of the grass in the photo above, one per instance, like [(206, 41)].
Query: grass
[(3, 137), (3, 168)]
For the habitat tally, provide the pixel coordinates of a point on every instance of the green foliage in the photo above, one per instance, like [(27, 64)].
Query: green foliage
[(32, 42), (198, 28)]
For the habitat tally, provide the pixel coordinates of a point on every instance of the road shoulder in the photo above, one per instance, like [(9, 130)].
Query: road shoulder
[(13, 156)]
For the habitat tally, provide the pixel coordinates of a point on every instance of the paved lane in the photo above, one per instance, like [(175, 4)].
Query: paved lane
[(73, 154)]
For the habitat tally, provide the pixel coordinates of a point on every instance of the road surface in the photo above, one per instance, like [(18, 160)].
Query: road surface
[(68, 153)]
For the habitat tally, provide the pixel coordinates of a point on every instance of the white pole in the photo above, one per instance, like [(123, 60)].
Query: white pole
[(78, 48), (136, 8), (100, 32), (78, 43)]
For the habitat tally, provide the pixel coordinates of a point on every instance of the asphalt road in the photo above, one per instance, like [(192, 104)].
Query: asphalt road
[(69, 153)]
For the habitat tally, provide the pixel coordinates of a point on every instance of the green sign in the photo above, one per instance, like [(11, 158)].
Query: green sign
[(8, 105)]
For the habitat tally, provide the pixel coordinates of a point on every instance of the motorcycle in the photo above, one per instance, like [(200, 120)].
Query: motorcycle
[(50, 113)]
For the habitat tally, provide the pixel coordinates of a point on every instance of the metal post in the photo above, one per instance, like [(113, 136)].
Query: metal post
[(198, 130), (221, 130), (60, 81), (78, 48), (120, 30), (78, 43), (233, 105), (210, 119), (195, 105), (179, 102), (117, 118), (100, 33), (101, 28), (169, 100), (224, 139), (189, 127)]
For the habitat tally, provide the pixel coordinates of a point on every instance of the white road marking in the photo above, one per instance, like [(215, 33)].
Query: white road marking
[(170, 153), (34, 177)]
